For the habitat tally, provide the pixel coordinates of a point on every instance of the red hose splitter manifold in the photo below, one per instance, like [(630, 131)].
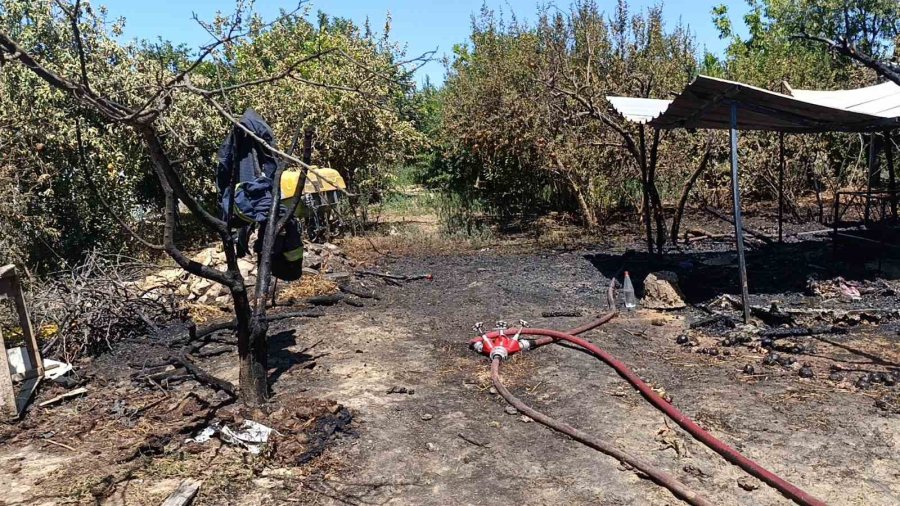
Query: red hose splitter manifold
[(498, 345)]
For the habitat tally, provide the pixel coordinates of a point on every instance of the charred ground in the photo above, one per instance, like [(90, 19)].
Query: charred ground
[(427, 429)]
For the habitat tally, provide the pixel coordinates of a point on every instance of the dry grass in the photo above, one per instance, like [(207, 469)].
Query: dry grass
[(202, 313), (305, 287), (420, 236)]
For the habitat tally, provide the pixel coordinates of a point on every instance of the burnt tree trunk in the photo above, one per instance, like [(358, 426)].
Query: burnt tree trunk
[(686, 191), (251, 351), (590, 217), (307, 146), (658, 210)]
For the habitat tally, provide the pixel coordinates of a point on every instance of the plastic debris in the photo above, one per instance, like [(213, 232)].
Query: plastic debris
[(252, 436), (54, 369)]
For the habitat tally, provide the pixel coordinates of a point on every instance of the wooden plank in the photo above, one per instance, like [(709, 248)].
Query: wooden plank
[(8, 406), (64, 396), (30, 339), (184, 494), (26, 390)]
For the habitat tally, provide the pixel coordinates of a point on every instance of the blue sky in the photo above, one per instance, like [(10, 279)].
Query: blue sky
[(422, 25)]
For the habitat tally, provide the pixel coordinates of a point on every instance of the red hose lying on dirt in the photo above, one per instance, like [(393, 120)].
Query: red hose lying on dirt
[(668, 481), (671, 411)]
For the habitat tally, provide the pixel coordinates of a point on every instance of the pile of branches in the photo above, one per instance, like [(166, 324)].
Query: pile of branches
[(85, 310)]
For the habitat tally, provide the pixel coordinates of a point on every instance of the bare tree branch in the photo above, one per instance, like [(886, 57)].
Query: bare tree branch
[(846, 48), (103, 202), (74, 15)]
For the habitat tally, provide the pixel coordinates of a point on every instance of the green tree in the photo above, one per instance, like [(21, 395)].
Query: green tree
[(525, 108), (352, 96), (50, 214), (773, 58), (164, 106)]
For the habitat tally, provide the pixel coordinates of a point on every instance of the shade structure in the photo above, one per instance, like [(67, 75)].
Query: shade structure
[(711, 103), (706, 103), (639, 110), (882, 100)]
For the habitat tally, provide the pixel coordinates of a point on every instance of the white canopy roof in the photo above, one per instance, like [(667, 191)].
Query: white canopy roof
[(639, 110), (880, 100), (706, 103)]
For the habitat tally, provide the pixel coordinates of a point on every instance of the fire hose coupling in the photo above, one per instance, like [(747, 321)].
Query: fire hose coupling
[(497, 344), (499, 352), (500, 346)]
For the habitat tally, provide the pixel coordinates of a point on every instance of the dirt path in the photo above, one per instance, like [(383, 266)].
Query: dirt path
[(407, 448)]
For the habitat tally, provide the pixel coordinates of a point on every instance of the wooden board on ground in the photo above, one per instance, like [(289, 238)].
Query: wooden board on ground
[(184, 494)]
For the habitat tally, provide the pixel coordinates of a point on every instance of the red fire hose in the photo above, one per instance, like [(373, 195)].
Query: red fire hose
[(668, 481), (499, 351)]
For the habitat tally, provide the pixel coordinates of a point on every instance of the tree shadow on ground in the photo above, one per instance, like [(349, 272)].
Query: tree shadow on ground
[(359, 493), (873, 358), (771, 269), (283, 358)]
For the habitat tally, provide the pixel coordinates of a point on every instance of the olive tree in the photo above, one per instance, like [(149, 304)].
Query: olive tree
[(146, 105), (529, 103)]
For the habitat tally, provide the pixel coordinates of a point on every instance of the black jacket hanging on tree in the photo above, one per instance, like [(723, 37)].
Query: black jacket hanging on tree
[(244, 178)]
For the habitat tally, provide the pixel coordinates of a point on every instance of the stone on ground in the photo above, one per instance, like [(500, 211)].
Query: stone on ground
[(661, 291)]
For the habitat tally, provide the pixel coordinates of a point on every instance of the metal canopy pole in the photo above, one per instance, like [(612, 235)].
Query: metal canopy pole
[(892, 182), (780, 186), (738, 225), (869, 176)]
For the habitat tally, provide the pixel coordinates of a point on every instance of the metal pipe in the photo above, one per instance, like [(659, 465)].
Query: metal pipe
[(892, 181), (869, 176), (738, 224), (780, 186)]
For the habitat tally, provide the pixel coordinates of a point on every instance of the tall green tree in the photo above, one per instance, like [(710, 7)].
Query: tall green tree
[(164, 107), (525, 108)]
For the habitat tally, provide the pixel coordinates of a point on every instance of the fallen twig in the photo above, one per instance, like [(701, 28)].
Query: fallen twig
[(67, 447), (62, 397), (802, 331), (149, 405), (353, 302), (749, 231), (326, 300), (472, 441), (698, 234), (359, 292), (228, 325), (204, 377), (395, 277)]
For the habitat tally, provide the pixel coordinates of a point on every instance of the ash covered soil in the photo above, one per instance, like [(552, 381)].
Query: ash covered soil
[(427, 429), (450, 440)]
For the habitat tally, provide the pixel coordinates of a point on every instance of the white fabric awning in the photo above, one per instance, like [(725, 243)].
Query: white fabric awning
[(706, 102)]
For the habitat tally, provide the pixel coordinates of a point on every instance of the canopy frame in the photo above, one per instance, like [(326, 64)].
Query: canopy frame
[(700, 105)]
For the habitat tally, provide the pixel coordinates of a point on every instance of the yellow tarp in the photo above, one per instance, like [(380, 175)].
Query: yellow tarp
[(321, 179)]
